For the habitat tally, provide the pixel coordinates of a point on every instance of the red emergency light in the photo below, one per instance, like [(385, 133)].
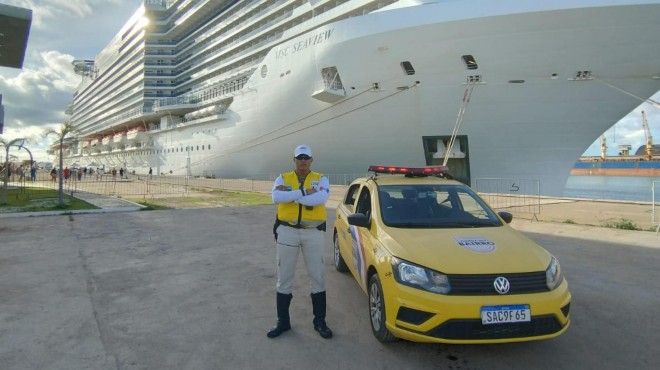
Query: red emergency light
[(429, 170)]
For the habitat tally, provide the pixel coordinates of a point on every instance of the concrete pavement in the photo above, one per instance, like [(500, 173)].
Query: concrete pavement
[(194, 289)]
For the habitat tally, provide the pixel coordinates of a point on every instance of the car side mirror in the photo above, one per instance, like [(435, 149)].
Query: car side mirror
[(359, 219), (506, 216)]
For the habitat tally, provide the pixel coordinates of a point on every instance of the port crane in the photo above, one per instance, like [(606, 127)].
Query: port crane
[(649, 138)]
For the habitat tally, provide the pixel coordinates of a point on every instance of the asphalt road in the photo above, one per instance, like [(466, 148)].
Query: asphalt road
[(194, 289)]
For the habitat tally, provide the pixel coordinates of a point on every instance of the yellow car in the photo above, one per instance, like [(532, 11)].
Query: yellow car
[(439, 265)]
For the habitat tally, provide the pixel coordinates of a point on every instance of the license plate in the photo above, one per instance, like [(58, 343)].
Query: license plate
[(505, 314)]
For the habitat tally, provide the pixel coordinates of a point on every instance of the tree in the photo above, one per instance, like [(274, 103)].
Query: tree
[(65, 130), (5, 173)]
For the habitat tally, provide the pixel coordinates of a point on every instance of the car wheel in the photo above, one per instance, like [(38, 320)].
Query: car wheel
[(377, 311), (340, 264)]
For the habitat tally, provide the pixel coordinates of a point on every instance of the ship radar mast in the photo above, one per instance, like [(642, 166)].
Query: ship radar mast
[(84, 68)]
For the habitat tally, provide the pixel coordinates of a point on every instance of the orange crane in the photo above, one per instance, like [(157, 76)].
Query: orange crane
[(649, 138)]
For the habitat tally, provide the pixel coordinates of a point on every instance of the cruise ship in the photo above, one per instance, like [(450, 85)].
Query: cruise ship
[(511, 89)]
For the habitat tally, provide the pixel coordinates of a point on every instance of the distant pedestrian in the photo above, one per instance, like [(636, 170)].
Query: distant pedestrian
[(53, 174), (151, 171), (114, 173), (121, 173), (21, 173), (33, 174)]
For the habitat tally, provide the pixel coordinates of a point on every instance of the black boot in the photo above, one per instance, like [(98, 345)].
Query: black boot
[(318, 306), (283, 323)]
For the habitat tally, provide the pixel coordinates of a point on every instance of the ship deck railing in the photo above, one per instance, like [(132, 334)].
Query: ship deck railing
[(202, 97)]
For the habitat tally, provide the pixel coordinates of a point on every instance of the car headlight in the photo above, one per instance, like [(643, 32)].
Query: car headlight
[(553, 274), (419, 277)]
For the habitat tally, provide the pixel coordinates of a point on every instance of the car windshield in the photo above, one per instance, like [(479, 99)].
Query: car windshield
[(434, 206)]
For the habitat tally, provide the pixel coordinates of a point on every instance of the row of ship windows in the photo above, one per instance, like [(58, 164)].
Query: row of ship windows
[(173, 150), (181, 150)]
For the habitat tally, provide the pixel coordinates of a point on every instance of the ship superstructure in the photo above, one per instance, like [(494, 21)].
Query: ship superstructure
[(228, 88)]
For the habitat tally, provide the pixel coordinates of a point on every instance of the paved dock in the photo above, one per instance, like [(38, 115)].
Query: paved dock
[(194, 289), (118, 288)]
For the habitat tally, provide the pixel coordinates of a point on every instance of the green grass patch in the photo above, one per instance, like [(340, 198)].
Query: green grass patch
[(569, 221), (39, 200), (623, 224), (207, 198), (241, 198)]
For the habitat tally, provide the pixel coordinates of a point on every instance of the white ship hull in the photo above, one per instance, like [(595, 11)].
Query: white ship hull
[(528, 116)]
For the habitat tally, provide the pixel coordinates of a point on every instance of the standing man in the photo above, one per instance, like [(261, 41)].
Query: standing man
[(300, 196)]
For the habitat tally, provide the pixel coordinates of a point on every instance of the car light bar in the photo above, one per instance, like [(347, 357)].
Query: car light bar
[(430, 170)]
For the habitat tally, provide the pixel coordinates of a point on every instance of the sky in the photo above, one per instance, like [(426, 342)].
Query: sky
[(36, 96)]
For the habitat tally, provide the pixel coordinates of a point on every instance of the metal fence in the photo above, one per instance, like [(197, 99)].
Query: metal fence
[(517, 196), (655, 206), (511, 195), (143, 186)]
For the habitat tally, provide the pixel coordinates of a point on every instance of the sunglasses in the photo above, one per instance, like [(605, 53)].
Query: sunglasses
[(303, 157)]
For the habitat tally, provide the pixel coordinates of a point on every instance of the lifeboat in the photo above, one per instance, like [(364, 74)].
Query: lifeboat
[(119, 137), (107, 139), (135, 133)]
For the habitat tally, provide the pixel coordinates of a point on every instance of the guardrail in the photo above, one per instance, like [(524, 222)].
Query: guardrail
[(511, 195)]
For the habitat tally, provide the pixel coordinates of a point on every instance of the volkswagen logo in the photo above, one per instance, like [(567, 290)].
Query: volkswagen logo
[(502, 285)]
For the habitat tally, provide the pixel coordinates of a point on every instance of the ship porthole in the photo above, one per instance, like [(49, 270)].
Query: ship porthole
[(264, 71)]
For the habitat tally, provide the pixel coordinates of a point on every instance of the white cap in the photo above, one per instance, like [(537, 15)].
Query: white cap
[(302, 149)]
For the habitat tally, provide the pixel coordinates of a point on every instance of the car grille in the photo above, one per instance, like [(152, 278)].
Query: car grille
[(521, 283), (474, 329)]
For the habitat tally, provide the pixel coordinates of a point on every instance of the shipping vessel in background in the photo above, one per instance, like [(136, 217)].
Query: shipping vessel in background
[(645, 161), (507, 89)]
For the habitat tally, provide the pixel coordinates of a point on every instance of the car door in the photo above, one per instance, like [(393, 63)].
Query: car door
[(346, 208), (362, 239)]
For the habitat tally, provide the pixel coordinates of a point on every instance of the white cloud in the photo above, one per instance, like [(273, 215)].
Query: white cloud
[(36, 96)]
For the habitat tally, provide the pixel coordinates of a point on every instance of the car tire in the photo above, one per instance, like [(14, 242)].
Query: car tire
[(340, 264), (377, 311)]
